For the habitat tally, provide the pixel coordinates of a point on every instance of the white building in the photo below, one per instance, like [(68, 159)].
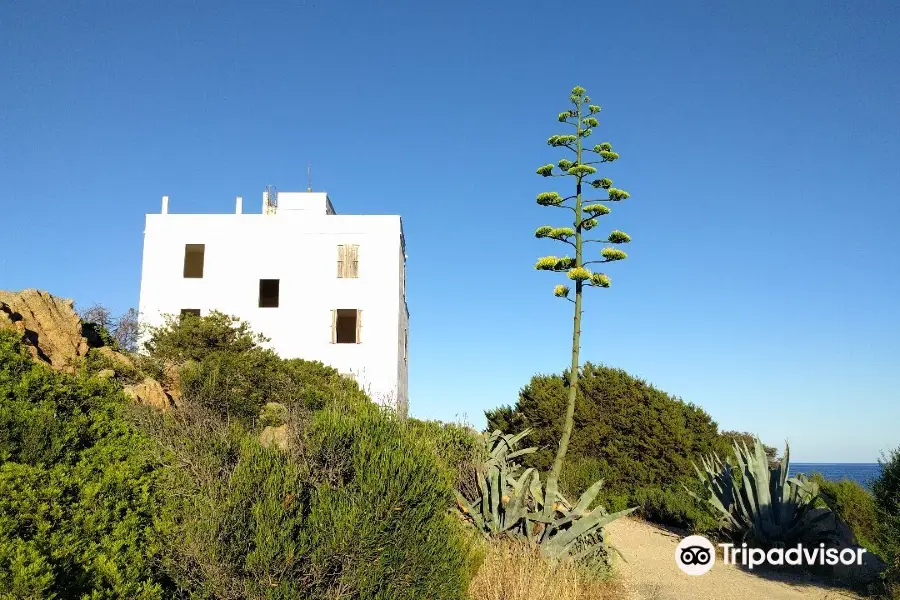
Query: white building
[(322, 286)]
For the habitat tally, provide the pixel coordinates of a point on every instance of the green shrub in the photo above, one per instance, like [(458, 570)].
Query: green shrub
[(190, 337), (95, 361), (856, 507), (886, 491), (361, 512), (638, 439), (459, 447), (239, 384), (80, 502)]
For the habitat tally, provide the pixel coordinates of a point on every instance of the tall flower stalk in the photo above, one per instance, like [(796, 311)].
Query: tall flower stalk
[(585, 212)]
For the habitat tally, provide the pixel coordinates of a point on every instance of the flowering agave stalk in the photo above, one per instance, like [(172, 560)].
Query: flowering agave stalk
[(585, 213)]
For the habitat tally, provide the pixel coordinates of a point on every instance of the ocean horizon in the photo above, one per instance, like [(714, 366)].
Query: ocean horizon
[(862, 473)]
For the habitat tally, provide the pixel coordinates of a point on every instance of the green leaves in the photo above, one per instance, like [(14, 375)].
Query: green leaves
[(596, 210), (594, 109), (603, 147), (600, 280), (581, 170), (549, 199), (563, 116), (589, 224), (590, 122), (561, 291), (611, 254), (542, 232), (615, 194), (545, 170), (603, 182), (578, 274), (565, 165), (618, 237)]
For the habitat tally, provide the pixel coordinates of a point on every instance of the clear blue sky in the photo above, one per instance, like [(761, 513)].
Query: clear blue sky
[(759, 142)]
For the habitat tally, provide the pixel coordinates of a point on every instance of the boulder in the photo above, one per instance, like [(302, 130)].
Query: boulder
[(275, 436), (49, 326), (150, 393), (116, 357)]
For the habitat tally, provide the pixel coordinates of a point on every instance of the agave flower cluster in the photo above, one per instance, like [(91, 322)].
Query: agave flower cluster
[(511, 503), (585, 211)]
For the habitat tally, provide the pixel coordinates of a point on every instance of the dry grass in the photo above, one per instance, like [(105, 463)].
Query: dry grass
[(513, 571)]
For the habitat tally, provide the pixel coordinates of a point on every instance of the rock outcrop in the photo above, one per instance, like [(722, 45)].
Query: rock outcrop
[(48, 326), (151, 393), (53, 333)]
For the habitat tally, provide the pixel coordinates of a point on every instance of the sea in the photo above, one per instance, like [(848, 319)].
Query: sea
[(861, 473)]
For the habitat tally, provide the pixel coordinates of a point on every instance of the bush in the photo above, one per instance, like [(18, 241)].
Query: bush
[(638, 439), (80, 500), (189, 337), (361, 511), (856, 507), (459, 447), (96, 361), (886, 491)]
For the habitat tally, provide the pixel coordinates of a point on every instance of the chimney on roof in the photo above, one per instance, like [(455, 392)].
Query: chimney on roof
[(238, 205), (165, 205)]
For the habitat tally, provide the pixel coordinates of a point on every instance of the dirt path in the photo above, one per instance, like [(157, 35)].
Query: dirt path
[(651, 572)]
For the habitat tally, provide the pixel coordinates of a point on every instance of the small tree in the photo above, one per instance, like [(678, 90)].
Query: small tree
[(585, 214), (126, 330)]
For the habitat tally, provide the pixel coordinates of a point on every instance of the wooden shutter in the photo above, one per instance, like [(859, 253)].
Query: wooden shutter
[(353, 261), (358, 325), (340, 261), (333, 326)]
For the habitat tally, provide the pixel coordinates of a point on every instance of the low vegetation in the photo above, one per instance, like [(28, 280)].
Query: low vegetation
[(886, 491), (516, 571), (511, 503), (759, 505), (638, 439), (103, 499)]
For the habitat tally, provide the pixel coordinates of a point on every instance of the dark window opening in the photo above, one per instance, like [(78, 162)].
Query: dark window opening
[(268, 293), (190, 311), (193, 260), (347, 326)]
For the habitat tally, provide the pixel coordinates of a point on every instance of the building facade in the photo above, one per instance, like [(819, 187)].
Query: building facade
[(321, 286)]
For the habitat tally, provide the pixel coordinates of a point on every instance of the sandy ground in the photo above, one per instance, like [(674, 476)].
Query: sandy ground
[(651, 572)]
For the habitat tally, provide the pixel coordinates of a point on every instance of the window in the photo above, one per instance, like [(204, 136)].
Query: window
[(193, 260), (190, 311), (346, 325), (348, 261), (268, 293)]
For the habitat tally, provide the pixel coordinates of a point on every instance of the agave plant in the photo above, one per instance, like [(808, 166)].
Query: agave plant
[(760, 504), (512, 503)]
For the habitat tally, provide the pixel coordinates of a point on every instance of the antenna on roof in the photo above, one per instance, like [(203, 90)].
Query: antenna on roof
[(308, 176)]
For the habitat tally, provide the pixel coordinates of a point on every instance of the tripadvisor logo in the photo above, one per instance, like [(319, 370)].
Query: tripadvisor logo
[(695, 555)]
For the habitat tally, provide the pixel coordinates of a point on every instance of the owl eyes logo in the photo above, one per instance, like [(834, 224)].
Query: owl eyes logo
[(695, 555)]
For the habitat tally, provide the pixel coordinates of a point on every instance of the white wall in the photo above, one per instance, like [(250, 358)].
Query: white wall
[(300, 249)]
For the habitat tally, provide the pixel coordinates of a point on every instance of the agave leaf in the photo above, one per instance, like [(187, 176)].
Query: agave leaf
[(592, 520), (587, 497), (495, 495), (521, 452), (471, 511), (537, 492)]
